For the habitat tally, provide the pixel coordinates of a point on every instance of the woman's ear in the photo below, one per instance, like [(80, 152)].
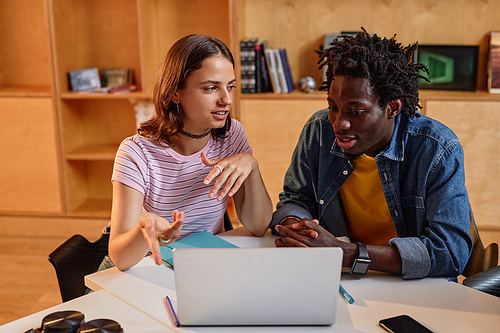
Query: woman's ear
[(175, 97), (394, 107)]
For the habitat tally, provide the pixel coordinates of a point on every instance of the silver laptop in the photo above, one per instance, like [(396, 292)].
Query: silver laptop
[(257, 286)]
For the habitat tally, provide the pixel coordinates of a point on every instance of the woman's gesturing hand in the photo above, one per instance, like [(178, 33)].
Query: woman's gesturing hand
[(157, 231), (231, 171)]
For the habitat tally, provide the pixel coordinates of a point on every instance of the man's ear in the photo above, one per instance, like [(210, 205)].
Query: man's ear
[(394, 107)]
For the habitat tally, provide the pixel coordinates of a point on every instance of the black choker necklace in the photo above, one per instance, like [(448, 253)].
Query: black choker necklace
[(194, 136)]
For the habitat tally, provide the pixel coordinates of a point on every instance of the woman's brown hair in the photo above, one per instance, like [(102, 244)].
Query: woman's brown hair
[(185, 56)]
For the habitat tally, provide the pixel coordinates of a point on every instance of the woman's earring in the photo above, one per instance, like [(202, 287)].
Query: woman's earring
[(177, 108)]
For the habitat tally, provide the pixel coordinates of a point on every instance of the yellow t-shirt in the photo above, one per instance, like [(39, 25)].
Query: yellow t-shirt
[(365, 206)]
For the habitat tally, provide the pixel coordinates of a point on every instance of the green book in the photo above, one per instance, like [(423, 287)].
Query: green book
[(201, 239)]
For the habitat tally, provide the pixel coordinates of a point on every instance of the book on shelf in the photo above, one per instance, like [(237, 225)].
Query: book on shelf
[(258, 67), (84, 79), (273, 70), (261, 72), (252, 84), (245, 65), (266, 84), (494, 62), (254, 72), (102, 90), (287, 70), (281, 71), (115, 77), (243, 59), (126, 88)]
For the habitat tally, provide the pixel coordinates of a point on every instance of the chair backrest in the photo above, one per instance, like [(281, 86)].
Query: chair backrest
[(481, 258), (74, 259), (227, 222), (487, 281)]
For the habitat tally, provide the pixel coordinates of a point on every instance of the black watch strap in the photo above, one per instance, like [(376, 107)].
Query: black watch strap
[(363, 252), (362, 262)]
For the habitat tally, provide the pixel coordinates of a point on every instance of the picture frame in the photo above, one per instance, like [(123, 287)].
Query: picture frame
[(451, 67)]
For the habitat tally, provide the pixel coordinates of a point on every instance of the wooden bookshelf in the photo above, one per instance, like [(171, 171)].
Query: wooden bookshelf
[(79, 133), (76, 135), (105, 34)]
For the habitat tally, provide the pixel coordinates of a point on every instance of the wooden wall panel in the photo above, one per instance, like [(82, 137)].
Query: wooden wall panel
[(273, 128), (163, 22), (24, 59), (95, 33), (29, 171), (301, 25)]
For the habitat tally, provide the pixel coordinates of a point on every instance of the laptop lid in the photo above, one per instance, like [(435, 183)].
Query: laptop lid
[(257, 286)]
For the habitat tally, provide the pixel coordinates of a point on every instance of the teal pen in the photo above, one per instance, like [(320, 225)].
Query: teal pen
[(345, 294)]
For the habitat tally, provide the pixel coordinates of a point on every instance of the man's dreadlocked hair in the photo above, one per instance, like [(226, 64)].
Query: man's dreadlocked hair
[(384, 62)]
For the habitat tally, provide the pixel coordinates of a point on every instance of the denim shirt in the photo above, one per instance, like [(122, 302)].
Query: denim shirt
[(423, 179)]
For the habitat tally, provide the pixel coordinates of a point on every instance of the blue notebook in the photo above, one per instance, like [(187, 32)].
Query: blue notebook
[(201, 239)]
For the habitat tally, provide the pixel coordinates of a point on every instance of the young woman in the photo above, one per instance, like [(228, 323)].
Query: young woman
[(174, 177)]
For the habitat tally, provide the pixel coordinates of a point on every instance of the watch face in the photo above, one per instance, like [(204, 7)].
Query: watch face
[(360, 266)]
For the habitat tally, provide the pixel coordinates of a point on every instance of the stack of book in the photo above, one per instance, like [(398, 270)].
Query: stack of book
[(112, 80), (264, 69)]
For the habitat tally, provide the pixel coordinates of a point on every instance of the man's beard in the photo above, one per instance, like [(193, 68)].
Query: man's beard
[(352, 157)]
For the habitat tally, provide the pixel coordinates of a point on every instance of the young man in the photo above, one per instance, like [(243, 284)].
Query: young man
[(374, 169)]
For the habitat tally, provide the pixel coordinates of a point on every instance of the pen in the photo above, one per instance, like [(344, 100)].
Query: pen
[(345, 294), (172, 312)]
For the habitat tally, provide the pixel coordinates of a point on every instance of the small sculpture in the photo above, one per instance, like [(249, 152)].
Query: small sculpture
[(307, 84)]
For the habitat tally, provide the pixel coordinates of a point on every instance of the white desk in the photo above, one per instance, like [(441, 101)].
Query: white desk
[(100, 304), (438, 304)]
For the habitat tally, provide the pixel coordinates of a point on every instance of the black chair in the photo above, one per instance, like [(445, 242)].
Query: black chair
[(487, 281), (481, 258), (74, 259), (227, 222)]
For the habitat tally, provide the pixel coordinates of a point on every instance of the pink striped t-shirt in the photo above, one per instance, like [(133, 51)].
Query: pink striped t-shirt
[(171, 181)]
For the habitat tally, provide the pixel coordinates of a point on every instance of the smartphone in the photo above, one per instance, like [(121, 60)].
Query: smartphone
[(403, 324)]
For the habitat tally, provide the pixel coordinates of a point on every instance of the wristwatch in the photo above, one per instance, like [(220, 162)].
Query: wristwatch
[(362, 262)]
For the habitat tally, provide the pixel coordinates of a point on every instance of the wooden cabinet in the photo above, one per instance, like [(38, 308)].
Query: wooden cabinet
[(105, 34), (25, 67), (273, 126), (86, 34), (59, 156), (29, 168), (476, 123)]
